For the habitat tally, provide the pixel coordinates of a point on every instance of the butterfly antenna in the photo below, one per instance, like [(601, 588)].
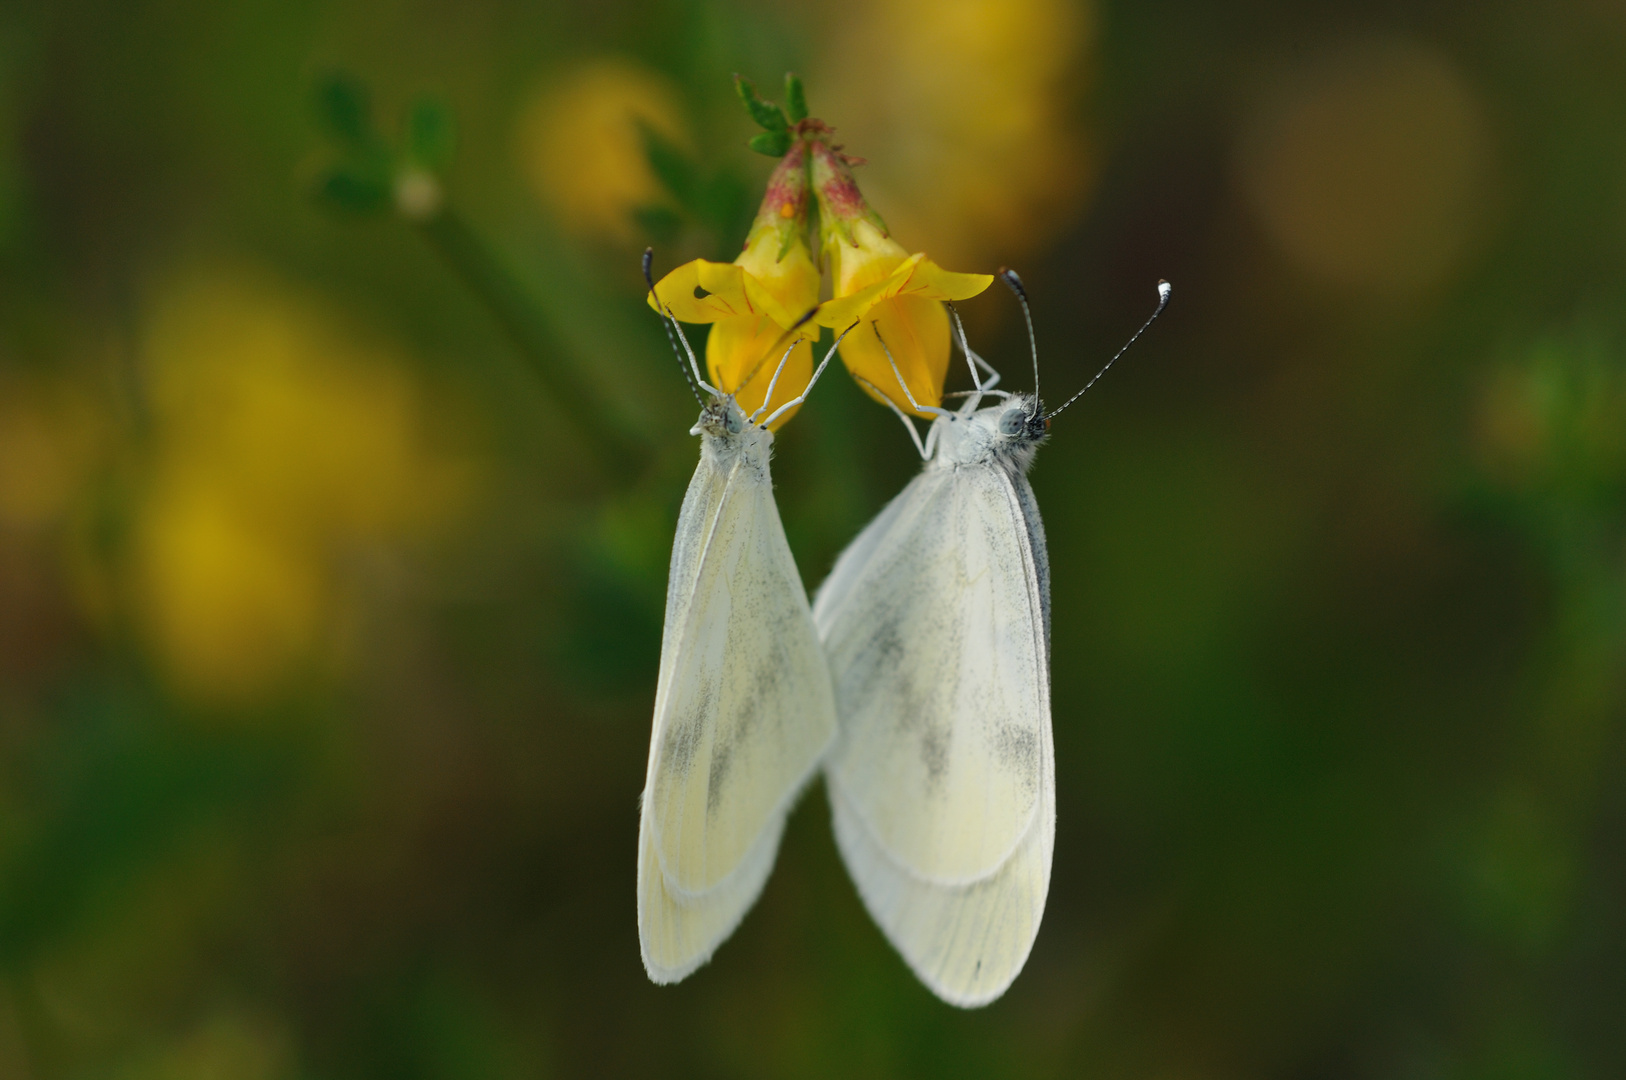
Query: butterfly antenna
[(811, 383), (1014, 283), (1163, 291), (668, 321), (795, 339), (789, 339), (919, 408)]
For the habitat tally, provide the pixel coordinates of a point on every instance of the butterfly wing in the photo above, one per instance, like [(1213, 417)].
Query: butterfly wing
[(678, 932), (966, 942), (942, 779), (854, 559), (743, 712)]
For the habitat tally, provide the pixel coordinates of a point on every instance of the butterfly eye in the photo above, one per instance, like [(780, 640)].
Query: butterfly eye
[(1013, 422), (732, 422)]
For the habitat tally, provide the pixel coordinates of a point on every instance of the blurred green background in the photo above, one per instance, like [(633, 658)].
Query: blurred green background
[(333, 544)]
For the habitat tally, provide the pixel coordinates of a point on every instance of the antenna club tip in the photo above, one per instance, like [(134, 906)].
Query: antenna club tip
[(1164, 289), (1012, 281), (649, 260)]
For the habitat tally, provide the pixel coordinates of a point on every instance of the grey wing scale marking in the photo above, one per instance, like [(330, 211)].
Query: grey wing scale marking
[(940, 679)]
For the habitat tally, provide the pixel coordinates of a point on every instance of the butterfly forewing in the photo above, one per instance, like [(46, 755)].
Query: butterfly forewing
[(744, 709), (937, 649)]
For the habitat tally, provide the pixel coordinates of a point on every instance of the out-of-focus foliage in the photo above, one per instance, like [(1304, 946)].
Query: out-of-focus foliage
[(333, 545)]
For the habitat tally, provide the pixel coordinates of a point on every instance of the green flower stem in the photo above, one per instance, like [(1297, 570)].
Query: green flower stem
[(491, 279)]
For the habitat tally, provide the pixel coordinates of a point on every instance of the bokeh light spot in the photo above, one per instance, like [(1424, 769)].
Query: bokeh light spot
[(963, 108), (1368, 169), (47, 439)]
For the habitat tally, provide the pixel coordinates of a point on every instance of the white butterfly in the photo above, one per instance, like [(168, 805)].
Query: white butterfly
[(936, 622), (743, 706)]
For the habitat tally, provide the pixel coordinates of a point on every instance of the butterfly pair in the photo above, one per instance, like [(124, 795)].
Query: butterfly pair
[(919, 680)]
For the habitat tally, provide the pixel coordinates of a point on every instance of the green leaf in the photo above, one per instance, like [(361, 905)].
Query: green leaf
[(431, 137), (795, 98), (354, 191), (344, 108), (765, 113), (772, 143)]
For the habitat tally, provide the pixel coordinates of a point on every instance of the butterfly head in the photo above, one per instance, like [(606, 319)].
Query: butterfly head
[(722, 418), (1023, 419)]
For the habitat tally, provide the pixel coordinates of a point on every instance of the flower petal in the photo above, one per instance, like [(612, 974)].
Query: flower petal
[(786, 286), (843, 311), (916, 333), (928, 281), (702, 291), (916, 277), (762, 299), (742, 354)]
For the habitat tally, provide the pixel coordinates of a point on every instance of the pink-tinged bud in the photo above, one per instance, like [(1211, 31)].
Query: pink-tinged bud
[(841, 204), (753, 302), (784, 203), (902, 340)]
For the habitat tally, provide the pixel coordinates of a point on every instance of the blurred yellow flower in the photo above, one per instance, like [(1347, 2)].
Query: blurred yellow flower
[(581, 145), (896, 298), (282, 442), (754, 301), (231, 604), (975, 103)]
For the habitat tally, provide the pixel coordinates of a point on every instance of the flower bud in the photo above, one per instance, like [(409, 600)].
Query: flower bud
[(903, 340), (754, 302)]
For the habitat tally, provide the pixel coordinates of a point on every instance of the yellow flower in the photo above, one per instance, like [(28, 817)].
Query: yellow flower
[(284, 443), (582, 149), (895, 297), (755, 302)]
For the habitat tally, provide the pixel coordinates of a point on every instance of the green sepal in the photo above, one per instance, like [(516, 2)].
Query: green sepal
[(795, 98), (773, 143), (345, 110), (431, 136), (767, 115), (787, 238)]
